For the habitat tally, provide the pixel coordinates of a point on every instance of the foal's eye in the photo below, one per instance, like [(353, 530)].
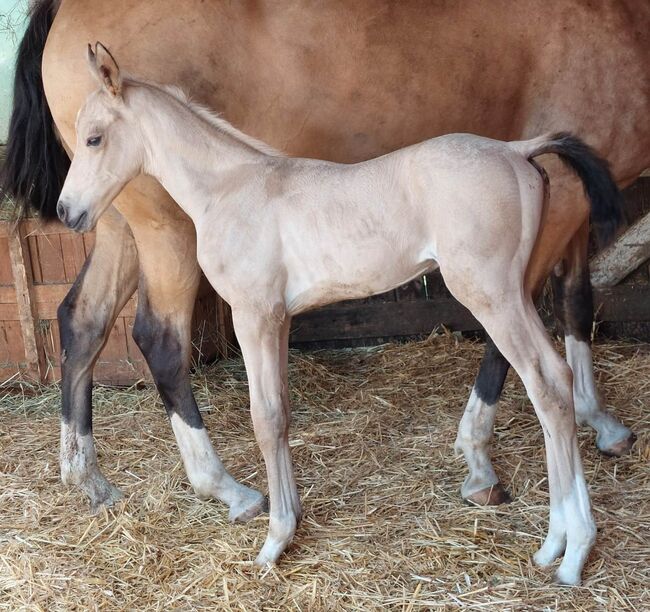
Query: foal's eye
[(93, 141)]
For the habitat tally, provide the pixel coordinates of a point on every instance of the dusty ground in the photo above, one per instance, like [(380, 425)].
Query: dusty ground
[(384, 525)]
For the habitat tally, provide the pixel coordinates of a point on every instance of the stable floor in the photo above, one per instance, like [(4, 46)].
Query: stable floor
[(384, 526)]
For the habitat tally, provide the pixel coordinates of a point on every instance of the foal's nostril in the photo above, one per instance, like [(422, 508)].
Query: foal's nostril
[(80, 222), (60, 211)]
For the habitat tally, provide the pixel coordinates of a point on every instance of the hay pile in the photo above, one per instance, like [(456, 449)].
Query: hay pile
[(384, 526)]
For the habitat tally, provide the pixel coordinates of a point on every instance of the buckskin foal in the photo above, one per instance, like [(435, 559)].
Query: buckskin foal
[(307, 232)]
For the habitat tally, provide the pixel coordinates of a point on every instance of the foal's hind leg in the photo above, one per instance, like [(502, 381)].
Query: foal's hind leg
[(574, 310), (86, 317), (518, 332), (520, 335), (162, 330)]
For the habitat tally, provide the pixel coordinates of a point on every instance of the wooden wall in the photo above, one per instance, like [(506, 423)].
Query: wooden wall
[(38, 265)]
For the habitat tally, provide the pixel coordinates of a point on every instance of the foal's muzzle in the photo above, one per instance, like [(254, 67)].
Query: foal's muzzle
[(76, 223)]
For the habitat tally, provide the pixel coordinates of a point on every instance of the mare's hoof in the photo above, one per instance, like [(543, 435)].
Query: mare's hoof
[(104, 497)]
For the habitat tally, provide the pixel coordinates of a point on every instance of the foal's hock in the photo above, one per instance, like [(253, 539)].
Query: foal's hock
[(305, 232)]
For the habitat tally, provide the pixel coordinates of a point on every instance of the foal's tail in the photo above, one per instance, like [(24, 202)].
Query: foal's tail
[(35, 162), (597, 180)]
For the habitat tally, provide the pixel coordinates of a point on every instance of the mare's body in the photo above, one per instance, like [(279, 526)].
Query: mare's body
[(344, 81)]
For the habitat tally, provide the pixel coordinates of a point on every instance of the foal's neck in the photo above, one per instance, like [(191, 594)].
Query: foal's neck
[(188, 152)]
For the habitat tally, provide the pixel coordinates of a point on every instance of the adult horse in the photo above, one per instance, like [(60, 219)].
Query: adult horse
[(340, 81)]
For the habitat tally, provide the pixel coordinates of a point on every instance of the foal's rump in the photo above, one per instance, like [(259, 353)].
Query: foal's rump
[(597, 180), (487, 198)]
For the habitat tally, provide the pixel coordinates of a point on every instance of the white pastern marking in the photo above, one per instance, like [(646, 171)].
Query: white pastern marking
[(78, 457), (586, 398), (473, 440), (204, 468)]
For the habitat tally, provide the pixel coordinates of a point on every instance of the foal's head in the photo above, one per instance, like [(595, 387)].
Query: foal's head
[(108, 153)]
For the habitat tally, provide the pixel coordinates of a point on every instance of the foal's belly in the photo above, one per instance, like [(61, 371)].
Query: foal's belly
[(311, 289)]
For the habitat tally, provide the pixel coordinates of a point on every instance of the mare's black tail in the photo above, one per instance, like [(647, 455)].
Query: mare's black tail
[(36, 164)]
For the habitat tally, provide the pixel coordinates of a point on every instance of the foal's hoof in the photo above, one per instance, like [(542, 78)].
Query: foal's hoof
[(248, 507), (491, 496), (567, 577), (620, 448)]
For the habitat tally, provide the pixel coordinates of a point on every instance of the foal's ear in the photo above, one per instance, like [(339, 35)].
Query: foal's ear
[(105, 69)]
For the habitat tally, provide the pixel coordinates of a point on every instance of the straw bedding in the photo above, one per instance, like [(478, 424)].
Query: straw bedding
[(384, 526)]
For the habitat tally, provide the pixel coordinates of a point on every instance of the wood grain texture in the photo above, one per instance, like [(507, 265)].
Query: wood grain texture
[(27, 313), (631, 249)]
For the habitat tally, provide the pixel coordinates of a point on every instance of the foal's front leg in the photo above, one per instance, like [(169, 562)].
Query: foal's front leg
[(263, 338)]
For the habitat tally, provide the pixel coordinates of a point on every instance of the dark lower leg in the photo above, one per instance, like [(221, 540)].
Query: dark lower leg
[(573, 305), (164, 340), (475, 431), (85, 319)]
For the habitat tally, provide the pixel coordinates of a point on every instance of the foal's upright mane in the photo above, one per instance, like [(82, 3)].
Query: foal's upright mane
[(211, 117)]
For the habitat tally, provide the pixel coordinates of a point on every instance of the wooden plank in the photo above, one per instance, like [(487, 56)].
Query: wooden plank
[(353, 321), (32, 244), (89, 242), (49, 331), (632, 249), (21, 266), (74, 255), (51, 258), (116, 345), (625, 303), (226, 339), (48, 298), (8, 294), (381, 320), (12, 348), (6, 273), (44, 228), (9, 312)]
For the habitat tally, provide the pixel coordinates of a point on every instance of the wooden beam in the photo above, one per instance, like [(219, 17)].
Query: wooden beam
[(625, 303), (632, 249), (354, 320), (24, 283), (351, 322)]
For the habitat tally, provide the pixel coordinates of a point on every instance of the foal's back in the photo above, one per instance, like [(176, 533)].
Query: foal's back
[(345, 231)]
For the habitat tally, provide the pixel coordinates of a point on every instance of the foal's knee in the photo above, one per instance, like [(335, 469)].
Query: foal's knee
[(551, 380)]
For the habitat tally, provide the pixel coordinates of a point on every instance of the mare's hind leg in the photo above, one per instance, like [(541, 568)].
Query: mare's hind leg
[(169, 281), (86, 317), (574, 310), (518, 332)]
